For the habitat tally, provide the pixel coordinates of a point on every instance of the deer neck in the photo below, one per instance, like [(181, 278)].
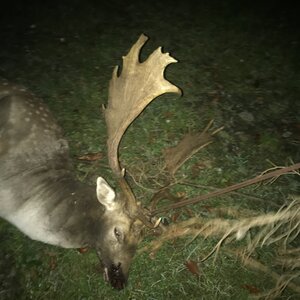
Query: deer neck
[(53, 207)]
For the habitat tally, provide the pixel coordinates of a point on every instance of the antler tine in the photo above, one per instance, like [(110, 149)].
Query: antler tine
[(129, 94)]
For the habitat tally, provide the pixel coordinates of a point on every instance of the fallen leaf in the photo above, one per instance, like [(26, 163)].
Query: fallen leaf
[(190, 144), (52, 263), (175, 216), (251, 288), (192, 266), (83, 250), (91, 156)]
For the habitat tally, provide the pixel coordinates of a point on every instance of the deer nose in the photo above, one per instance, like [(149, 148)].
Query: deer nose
[(116, 276)]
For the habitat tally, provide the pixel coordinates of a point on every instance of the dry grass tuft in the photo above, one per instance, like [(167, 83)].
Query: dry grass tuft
[(279, 229)]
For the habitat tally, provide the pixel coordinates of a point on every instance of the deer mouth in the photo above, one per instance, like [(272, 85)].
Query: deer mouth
[(115, 276)]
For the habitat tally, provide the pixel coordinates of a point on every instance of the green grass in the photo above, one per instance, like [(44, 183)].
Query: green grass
[(233, 58), (37, 271)]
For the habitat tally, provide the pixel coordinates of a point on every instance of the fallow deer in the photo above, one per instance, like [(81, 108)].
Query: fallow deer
[(39, 192)]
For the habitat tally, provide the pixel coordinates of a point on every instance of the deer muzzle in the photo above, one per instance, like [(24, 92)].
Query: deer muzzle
[(115, 276)]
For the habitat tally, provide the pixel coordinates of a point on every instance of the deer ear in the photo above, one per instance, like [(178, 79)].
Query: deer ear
[(105, 194)]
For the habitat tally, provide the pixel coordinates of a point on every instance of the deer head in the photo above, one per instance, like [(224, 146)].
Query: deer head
[(120, 234)]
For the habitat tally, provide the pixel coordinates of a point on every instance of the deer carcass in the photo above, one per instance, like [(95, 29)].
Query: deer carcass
[(39, 193)]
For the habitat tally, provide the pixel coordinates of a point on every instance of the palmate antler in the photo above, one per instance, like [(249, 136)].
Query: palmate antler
[(129, 94)]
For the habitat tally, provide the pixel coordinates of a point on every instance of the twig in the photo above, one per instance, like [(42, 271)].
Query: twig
[(212, 188), (228, 189)]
